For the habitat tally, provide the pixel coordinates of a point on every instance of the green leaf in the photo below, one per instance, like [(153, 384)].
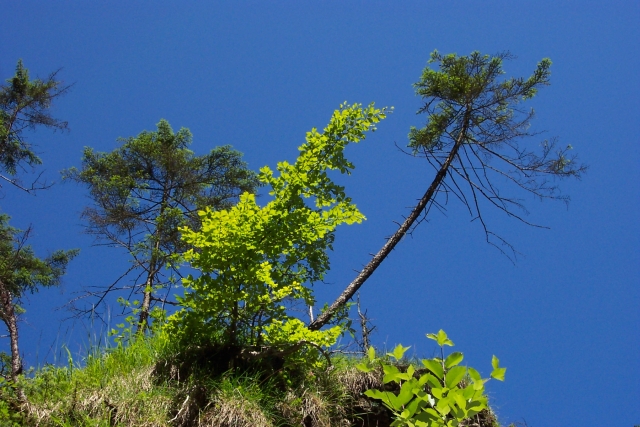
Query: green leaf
[(476, 405), (453, 359), (468, 392), (441, 338), (459, 413), (437, 392), (410, 371), (498, 372), (364, 367), (443, 406), (434, 366), (495, 362), (459, 399), (371, 353), (391, 373), (475, 375), (398, 352), (433, 381), (405, 395), (374, 394), (414, 406), (429, 415), (455, 375)]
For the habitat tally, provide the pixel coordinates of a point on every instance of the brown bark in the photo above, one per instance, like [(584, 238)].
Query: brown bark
[(386, 249), (8, 316), (143, 321)]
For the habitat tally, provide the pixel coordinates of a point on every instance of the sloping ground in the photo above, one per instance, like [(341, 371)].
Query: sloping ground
[(136, 386)]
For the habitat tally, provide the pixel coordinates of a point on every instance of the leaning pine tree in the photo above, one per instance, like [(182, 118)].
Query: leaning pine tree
[(475, 138)]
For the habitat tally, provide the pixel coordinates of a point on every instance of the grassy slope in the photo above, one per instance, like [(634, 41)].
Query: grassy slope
[(135, 385)]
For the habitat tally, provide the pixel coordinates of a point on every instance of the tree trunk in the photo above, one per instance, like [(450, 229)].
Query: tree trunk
[(8, 315), (386, 249), (143, 321)]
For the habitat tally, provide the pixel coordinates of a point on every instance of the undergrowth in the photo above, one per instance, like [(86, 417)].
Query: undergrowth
[(142, 383)]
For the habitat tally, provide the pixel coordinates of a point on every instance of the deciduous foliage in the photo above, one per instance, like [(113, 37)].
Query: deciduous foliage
[(21, 272), (445, 394), (256, 262), (475, 140), (147, 189), (25, 104)]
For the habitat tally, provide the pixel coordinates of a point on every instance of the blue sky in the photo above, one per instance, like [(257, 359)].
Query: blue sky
[(564, 319)]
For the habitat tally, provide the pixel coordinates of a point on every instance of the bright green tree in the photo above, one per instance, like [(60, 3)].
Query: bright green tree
[(21, 272), (475, 139), (256, 262), (24, 105), (148, 188)]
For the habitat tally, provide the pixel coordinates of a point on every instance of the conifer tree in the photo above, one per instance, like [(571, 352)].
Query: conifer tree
[(24, 105), (145, 190), (475, 139), (21, 273)]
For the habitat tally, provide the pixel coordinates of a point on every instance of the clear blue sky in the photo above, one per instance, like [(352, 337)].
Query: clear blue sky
[(564, 319)]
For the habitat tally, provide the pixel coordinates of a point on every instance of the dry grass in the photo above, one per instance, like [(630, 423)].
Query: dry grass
[(126, 400), (233, 411), (357, 382)]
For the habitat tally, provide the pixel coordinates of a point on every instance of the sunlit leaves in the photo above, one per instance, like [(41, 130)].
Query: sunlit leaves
[(498, 372), (453, 359), (441, 338), (258, 260), (445, 395), (398, 352)]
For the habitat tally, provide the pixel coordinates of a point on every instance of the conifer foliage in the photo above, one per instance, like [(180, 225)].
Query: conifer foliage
[(21, 273), (144, 191), (477, 139), (24, 105)]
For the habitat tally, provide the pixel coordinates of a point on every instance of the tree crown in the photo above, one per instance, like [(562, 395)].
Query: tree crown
[(152, 185), (25, 104), (20, 270), (257, 261)]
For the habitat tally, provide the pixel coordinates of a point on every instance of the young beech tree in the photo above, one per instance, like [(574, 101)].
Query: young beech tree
[(25, 104), (21, 272), (473, 139), (256, 262), (148, 188)]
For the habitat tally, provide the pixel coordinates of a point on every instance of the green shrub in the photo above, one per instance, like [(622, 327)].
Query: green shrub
[(444, 394)]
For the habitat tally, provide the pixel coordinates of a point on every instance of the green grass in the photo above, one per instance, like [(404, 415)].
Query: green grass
[(138, 385)]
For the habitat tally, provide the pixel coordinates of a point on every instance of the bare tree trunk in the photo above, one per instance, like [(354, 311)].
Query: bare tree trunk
[(8, 315), (386, 249), (364, 327), (143, 321)]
